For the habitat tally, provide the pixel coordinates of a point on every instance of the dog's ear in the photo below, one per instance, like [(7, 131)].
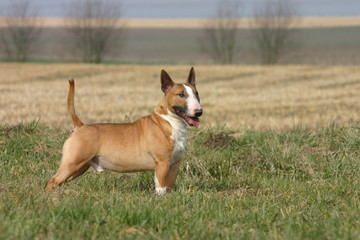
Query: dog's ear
[(191, 77), (166, 81)]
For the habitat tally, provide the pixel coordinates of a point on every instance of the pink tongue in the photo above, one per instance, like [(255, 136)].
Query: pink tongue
[(193, 121)]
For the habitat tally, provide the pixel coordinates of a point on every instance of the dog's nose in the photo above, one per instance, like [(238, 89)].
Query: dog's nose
[(198, 112)]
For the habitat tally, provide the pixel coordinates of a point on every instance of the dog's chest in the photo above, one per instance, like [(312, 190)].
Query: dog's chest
[(179, 138), (178, 135)]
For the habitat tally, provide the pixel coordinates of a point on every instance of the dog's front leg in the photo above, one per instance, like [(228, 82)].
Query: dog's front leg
[(171, 177), (161, 173)]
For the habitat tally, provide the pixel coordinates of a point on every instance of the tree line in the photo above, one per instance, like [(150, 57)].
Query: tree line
[(95, 26)]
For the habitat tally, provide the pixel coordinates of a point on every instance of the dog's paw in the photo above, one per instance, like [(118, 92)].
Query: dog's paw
[(160, 190)]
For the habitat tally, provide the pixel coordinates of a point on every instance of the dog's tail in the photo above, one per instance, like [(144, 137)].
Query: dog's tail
[(70, 102)]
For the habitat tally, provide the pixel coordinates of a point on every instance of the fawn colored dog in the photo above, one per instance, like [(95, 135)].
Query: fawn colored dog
[(154, 142)]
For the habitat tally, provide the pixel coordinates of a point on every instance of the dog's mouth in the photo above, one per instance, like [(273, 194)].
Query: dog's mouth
[(191, 121)]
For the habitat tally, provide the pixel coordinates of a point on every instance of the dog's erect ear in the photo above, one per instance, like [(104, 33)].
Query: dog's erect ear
[(166, 81), (191, 77)]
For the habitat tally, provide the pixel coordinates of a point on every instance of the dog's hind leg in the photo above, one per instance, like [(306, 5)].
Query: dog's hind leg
[(66, 172), (74, 162), (80, 172)]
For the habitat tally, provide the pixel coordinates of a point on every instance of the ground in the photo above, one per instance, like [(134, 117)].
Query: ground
[(276, 157), (238, 96)]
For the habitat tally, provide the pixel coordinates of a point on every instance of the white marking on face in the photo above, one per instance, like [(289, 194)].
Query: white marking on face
[(191, 101), (159, 190)]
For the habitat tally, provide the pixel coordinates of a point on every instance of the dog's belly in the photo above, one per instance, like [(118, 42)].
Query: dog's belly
[(100, 163)]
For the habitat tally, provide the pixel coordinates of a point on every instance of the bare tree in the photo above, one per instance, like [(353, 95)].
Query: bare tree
[(21, 30), (220, 32), (274, 27), (94, 25)]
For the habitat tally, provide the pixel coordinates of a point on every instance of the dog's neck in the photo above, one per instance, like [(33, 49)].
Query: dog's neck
[(178, 132), (179, 127)]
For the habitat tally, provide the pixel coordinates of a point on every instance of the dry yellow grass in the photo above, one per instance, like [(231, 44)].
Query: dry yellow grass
[(304, 22), (258, 97)]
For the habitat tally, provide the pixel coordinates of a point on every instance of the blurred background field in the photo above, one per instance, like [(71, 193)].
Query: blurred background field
[(258, 97), (320, 46), (321, 41)]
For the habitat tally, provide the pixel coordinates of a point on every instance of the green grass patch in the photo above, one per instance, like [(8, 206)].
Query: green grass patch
[(297, 184)]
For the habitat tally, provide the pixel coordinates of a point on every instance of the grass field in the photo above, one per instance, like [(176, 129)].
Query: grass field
[(276, 157), (295, 184), (239, 96)]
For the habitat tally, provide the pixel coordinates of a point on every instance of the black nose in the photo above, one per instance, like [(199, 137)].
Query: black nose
[(198, 112)]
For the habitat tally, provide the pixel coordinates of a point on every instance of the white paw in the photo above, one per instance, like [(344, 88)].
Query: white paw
[(160, 190)]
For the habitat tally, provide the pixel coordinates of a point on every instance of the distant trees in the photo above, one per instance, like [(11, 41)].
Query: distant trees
[(273, 28), (21, 30), (93, 25), (220, 33), (95, 29)]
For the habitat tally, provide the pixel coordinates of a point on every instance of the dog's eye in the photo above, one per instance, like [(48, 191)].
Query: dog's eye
[(181, 95)]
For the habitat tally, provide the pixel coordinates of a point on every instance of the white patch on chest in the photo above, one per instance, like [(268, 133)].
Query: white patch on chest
[(179, 132)]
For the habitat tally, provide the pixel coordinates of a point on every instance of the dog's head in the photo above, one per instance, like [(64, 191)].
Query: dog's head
[(182, 99)]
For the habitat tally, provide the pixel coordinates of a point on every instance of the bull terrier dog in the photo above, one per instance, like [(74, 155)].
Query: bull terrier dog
[(154, 142)]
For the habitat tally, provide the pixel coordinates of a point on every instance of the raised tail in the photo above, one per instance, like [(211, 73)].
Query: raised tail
[(70, 102)]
